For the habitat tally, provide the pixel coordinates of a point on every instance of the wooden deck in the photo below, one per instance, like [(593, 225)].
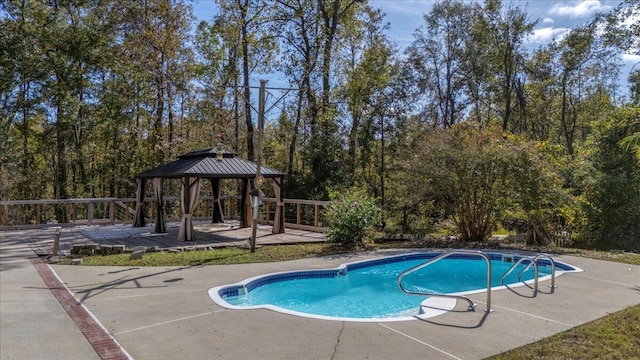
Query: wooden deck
[(207, 236)]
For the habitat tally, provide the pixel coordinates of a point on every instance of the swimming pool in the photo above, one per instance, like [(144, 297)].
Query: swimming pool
[(368, 290)]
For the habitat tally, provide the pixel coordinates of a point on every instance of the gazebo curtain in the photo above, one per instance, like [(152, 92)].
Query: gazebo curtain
[(188, 200), (245, 204), (161, 226), (139, 221), (278, 220), (190, 191), (216, 190)]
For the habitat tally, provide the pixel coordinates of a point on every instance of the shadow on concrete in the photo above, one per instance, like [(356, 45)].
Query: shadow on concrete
[(85, 292), (459, 326)]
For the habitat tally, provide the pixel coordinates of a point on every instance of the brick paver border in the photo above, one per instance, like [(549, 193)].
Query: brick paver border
[(103, 343)]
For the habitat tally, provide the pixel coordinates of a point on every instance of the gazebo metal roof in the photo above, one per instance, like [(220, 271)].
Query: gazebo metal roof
[(204, 164), (215, 165)]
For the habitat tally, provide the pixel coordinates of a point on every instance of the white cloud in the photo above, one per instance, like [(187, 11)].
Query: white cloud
[(631, 20), (576, 10), (547, 35), (547, 20), (631, 58)]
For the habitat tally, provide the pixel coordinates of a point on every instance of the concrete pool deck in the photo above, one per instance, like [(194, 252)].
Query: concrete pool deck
[(166, 313)]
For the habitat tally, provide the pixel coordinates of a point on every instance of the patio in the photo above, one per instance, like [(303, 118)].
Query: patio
[(166, 313), (207, 235)]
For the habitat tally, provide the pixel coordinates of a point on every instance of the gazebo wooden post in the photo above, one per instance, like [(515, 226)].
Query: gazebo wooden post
[(139, 216), (161, 226), (185, 226), (278, 220), (216, 190)]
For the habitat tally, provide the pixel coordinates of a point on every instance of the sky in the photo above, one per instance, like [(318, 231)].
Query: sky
[(555, 19)]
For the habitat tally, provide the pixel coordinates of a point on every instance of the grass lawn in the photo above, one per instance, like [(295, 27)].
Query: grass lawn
[(221, 256), (616, 336)]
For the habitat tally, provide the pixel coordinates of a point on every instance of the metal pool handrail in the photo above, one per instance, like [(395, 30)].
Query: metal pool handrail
[(471, 306), (553, 269), (513, 267)]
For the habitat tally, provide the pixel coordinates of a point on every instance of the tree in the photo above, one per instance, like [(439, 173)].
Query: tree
[(300, 39), (436, 60), (468, 173), (243, 25), (506, 31), (369, 71), (538, 194), (610, 181), (21, 95), (583, 68), (621, 27), (155, 38), (217, 74)]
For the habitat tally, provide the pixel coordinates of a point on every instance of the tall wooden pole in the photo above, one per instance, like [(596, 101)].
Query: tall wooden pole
[(258, 180)]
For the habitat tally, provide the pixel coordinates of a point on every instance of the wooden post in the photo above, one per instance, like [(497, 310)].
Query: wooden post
[(266, 211), (316, 219), (90, 213), (4, 215), (112, 212), (298, 214), (56, 241)]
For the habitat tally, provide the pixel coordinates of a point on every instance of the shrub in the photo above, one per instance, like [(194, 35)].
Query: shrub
[(479, 177), (352, 218)]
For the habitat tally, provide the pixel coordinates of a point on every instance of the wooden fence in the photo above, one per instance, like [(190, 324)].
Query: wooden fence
[(299, 214)]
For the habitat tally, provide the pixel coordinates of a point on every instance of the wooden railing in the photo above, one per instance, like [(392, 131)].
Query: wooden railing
[(299, 214)]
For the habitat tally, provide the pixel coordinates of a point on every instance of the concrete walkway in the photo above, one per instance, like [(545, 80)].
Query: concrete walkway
[(33, 324), (166, 313)]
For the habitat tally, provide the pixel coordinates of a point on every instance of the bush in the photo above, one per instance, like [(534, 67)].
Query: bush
[(352, 218), (479, 177), (467, 172)]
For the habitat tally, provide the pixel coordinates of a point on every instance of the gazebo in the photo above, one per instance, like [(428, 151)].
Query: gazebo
[(214, 164)]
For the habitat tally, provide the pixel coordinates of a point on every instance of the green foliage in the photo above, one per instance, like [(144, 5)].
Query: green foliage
[(467, 172), (222, 256), (538, 191), (631, 142), (479, 177), (352, 218), (93, 93), (609, 181)]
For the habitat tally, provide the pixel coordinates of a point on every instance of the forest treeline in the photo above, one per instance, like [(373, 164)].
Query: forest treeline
[(466, 130)]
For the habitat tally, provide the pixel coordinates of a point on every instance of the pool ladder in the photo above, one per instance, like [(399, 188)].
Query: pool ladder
[(533, 261), (471, 306)]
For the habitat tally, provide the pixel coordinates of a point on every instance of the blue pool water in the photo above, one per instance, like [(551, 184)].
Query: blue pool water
[(369, 289)]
